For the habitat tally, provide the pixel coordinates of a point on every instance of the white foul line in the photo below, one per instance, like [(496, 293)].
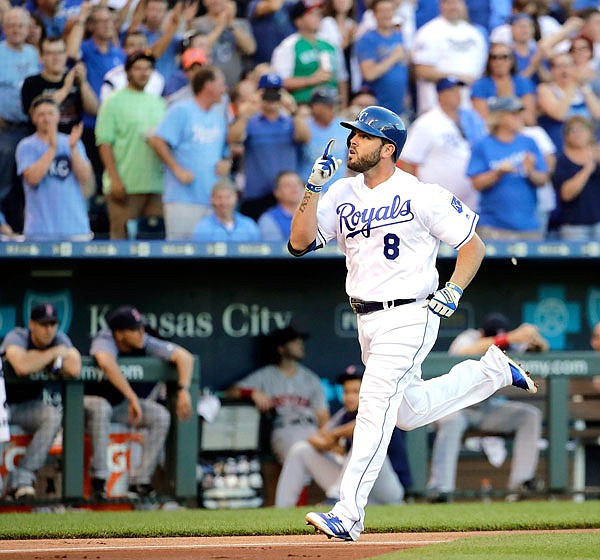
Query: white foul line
[(100, 547)]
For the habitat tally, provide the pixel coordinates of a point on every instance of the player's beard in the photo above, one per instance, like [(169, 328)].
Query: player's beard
[(366, 162)]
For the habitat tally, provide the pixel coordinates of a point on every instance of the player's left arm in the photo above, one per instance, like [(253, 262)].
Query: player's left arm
[(468, 261), (470, 255), (184, 362)]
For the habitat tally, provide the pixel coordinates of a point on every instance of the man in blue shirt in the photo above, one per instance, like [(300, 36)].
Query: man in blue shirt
[(191, 140), (19, 60), (54, 168), (271, 24), (272, 138), (275, 223), (99, 54), (383, 58), (225, 223), (323, 124), (155, 18)]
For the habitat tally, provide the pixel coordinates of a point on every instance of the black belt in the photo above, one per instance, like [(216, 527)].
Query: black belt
[(362, 307), (294, 422)]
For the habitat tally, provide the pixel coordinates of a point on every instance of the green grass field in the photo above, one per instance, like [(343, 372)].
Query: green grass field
[(474, 516), (579, 546)]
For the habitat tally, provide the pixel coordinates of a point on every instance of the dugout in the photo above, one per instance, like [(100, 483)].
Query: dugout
[(217, 299)]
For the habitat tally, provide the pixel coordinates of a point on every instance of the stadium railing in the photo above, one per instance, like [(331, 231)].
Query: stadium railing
[(559, 373)]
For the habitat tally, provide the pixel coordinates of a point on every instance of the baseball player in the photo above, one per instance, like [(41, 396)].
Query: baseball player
[(389, 225), (288, 390)]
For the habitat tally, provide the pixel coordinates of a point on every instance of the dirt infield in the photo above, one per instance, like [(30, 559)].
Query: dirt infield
[(224, 548), (209, 548)]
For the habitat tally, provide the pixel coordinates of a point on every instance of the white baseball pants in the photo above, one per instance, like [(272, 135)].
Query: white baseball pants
[(325, 468), (394, 343)]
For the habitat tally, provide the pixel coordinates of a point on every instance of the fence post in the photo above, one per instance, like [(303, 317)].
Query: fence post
[(73, 431), (558, 431)]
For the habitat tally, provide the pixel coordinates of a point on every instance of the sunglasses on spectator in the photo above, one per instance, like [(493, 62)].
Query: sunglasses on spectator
[(499, 56), (577, 128)]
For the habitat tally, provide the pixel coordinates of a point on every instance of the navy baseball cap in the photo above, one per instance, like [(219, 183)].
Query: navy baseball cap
[(495, 323), (270, 81), (44, 313), (327, 95), (139, 55), (124, 318), (447, 83), (511, 104), (351, 373), (279, 337), (271, 85), (298, 9)]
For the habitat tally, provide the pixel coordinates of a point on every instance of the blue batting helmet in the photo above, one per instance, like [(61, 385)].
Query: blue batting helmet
[(380, 122)]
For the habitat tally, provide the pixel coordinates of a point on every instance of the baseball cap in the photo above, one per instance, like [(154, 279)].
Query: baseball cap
[(447, 83), (139, 55), (352, 372), (511, 104), (270, 84), (125, 317), (191, 57), (270, 81), (327, 95), (518, 17), (282, 336), (44, 313), (495, 323), (298, 9)]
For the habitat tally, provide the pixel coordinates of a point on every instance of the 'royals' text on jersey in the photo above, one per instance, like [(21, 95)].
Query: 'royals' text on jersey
[(391, 234)]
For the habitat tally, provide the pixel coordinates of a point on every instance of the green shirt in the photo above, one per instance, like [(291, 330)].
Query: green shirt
[(126, 121), (298, 57)]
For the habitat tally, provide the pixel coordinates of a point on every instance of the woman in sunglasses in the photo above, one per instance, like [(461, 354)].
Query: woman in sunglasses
[(501, 80)]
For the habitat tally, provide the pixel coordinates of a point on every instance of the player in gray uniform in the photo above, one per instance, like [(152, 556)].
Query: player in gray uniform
[(497, 414), (125, 403), (390, 225), (39, 347), (289, 389), (324, 455)]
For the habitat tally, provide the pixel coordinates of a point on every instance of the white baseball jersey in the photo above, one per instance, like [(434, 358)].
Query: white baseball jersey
[(453, 48), (436, 145), (391, 234)]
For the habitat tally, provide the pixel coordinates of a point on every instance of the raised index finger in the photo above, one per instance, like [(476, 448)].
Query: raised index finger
[(327, 149)]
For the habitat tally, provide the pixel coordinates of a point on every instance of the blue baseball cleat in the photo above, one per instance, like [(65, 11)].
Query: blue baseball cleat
[(521, 378), (329, 524)]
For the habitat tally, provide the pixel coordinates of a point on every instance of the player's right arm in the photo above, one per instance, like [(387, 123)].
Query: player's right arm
[(112, 371), (303, 232), (304, 223), (27, 362)]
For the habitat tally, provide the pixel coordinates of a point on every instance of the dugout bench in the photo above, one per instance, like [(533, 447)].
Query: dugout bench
[(182, 442), (567, 398)]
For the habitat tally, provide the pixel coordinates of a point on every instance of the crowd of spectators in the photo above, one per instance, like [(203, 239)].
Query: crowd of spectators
[(179, 97)]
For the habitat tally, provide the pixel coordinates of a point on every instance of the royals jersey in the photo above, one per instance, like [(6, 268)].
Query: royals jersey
[(391, 234)]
